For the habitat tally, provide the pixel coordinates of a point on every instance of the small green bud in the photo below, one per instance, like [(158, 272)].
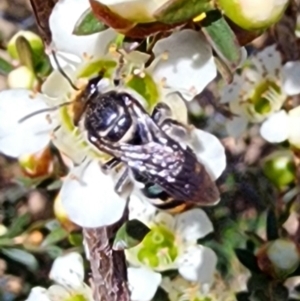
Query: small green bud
[(279, 168), (21, 77), (284, 256), (34, 40), (254, 14)]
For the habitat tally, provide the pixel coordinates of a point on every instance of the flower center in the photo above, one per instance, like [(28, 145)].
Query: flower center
[(265, 95), (144, 84), (158, 248)]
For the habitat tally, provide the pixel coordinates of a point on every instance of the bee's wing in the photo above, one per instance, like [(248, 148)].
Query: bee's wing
[(177, 171)]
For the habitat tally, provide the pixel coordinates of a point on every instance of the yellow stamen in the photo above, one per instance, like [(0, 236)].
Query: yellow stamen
[(199, 17), (165, 55)]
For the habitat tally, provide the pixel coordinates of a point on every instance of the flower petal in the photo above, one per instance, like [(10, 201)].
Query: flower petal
[(67, 143), (140, 209), (38, 293), (57, 86), (177, 106), (197, 264), (210, 152), (193, 224), (64, 59), (276, 128), (165, 219), (290, 78), (58, 292), (68, 270), (14, 105), (189, 66), (62, 22), (268, 61), (143, 283), (236, 126), (294, 122), (231, 92), (89, 198)]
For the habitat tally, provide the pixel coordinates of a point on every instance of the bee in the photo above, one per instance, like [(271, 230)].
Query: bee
[(164, 170)]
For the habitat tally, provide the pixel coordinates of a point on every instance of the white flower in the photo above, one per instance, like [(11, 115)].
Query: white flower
[(260, 90), (68, 273), (283, 126), (143, 283), (172, 244)]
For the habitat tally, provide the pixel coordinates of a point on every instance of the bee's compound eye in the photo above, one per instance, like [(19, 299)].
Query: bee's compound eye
[(101, 115)]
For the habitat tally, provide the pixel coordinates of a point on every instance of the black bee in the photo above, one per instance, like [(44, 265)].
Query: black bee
[(168, 173)]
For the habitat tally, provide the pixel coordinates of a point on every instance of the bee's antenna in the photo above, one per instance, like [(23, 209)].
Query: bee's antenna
[(63, 73), (43, 111)]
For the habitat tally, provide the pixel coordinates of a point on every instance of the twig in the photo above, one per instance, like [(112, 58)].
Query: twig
[(109, 271)]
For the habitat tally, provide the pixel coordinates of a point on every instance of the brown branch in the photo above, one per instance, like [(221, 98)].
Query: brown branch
[(42, 10), (109, 271)]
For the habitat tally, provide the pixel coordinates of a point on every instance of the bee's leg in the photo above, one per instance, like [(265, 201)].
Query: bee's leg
[(122, 181), (110, 164), (161, 112)]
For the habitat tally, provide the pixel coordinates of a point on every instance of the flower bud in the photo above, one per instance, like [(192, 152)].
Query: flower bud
[(34, 40), (137, 11), (34, 238), (279, 168), (140, 18), (278, 258), (254, 14), (21, 77), (37, 165)]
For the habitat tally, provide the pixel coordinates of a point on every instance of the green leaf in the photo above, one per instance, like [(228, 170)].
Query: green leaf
[(55, 236), (23, 257), (130, 235), (224, 70), (54, 251), (247, 259), (256, 239), (176, 11), (5, 66), (272, 226), (88, 24), (18, 226), (222, 39), (75, 239), (43, 67), (6, 242), (55, 185)]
